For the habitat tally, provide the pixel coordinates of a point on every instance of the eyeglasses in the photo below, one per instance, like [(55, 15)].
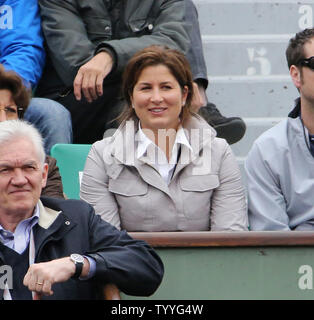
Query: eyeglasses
[(309, 62), (12, 112)]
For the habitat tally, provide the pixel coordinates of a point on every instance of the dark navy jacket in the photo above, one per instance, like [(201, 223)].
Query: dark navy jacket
[(130, 264)]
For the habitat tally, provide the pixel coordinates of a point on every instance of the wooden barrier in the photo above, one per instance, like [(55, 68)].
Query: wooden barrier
[(226, 239), (233, 265)]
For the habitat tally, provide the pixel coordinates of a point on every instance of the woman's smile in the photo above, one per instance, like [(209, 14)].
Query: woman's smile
[(158, 98)]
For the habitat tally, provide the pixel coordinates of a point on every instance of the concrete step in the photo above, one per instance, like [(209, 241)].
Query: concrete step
[(246, 59), (255, 127), (252, 98), (238, 17), (244, 45)]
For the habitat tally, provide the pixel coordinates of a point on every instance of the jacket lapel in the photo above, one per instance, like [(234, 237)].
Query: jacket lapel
[(124, 153), (151, 176), (52, 225), (199, 134)]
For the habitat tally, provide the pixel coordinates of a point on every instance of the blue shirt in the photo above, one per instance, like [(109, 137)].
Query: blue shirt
[(19, 239), (21, 41)]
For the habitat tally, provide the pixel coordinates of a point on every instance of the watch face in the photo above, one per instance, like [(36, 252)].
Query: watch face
[(77, 258)]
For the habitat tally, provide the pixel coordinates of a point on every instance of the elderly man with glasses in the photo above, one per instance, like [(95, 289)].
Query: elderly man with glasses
[(279, 167)]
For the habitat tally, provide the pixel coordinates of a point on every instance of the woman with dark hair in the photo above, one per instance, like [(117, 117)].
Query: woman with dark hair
[(163, 169), (14, 100)]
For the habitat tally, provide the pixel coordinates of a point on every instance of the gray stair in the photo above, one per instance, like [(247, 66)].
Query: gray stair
[(244, 46)]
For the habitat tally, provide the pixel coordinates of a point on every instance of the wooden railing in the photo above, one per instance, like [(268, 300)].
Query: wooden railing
[(218, 239), (226, 239)]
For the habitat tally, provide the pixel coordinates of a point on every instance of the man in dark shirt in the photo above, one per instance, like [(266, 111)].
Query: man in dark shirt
[(89, 44)]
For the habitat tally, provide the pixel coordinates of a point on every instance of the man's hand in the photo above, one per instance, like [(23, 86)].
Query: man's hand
[(41, 276), (90, 77), (199, 97)]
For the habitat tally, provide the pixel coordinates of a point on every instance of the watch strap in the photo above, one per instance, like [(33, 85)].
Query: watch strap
[(78, 260), (78, 270)]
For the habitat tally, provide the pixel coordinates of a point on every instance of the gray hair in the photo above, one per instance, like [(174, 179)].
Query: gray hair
[(11, 130)]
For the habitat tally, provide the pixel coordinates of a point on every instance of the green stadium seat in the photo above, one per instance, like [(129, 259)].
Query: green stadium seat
[(71, 160)]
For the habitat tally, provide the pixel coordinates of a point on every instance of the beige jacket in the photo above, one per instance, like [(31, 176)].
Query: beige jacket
[(205, 192)]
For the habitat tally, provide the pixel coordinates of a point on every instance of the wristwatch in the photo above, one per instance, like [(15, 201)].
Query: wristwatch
[(79, 262)]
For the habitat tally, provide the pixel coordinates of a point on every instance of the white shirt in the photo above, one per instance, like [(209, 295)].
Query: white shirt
[(147, 148)]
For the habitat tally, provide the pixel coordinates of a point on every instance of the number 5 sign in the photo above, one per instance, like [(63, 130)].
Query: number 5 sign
[(259, 56)]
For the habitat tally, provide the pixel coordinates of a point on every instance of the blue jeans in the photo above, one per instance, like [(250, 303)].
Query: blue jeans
[(51, 119)]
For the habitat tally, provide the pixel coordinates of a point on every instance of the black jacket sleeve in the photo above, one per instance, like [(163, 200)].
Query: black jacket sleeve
[(130, 264)]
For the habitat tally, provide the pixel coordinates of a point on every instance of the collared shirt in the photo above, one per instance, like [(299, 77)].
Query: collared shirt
[(295, 113), (164, 167), (309, 139), (19, 239)]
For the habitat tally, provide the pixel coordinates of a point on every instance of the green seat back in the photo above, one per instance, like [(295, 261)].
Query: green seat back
[(71, 160)]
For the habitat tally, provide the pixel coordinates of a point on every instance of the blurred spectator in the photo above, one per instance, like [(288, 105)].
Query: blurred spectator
[(14, 100), (89, 44), (230, 128), (21, 50)]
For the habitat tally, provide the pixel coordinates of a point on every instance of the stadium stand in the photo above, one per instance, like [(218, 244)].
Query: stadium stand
[(244, 46)]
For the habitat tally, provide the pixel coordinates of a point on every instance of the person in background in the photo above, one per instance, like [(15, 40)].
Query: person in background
[(230, 128), (59, 249), (14, 100), (89, 44), (22, 51), (163, 169), (278, 167)]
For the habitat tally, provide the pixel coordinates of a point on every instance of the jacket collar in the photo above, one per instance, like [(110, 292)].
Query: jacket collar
[(123, 147), (296, 112), (122, 150), (123, 153), (52, 225), (46, 215)]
